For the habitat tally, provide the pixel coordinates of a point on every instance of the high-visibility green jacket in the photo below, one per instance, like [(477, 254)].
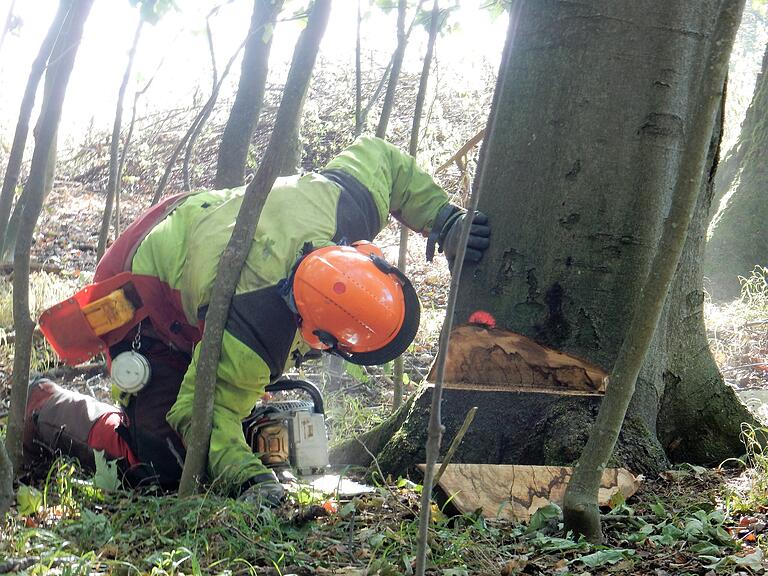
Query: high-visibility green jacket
[(351, 201)]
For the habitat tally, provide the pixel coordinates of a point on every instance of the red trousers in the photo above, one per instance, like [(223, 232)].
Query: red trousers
[(138, 436)]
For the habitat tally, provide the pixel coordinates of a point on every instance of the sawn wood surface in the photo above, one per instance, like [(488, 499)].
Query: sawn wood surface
[(515, 492)]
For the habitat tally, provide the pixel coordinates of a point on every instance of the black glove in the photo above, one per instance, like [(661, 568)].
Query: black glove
[(264, 490), (447, 230)]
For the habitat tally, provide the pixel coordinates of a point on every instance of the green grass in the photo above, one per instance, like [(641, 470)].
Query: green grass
[(673, 523), (44, 291), (134, 533)]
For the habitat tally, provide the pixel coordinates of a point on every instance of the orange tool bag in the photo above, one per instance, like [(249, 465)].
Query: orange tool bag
[(95, 318)]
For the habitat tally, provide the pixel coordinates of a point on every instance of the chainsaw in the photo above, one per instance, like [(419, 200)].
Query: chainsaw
[(290, 433)]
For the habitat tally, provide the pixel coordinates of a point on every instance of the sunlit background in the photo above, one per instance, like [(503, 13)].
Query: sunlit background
[(178, 41)]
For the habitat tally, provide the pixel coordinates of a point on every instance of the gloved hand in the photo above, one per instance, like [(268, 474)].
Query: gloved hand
[(450, 221), (265, 490)]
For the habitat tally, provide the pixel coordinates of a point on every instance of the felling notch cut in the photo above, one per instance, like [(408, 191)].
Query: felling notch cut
[(494, 360)]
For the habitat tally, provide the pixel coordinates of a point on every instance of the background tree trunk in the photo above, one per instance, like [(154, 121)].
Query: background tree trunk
[(234, 255), (394, 74), (202, 118), (296, 88), (13, 170), (6, 481), (575, 226), (233, 149), (114, 147), (57, 78), (739, 234)]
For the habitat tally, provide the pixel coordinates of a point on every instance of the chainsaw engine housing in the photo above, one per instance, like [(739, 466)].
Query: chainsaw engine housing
[(290, 433)]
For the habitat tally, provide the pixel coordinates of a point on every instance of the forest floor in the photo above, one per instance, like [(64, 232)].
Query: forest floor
[(688, 520)]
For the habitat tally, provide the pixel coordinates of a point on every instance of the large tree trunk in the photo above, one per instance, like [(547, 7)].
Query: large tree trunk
[(57, 78), (394, 75), (739, 235), (581, 501), (577, 194), (233, 150)]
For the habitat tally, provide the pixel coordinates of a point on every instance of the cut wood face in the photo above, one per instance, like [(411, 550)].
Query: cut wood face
[(515, 492), (481, 358)]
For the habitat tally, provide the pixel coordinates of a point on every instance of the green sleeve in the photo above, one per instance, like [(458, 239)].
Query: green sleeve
[(241, 378), (398, 185)]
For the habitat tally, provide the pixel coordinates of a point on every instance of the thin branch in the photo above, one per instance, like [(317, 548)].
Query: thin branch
[(435, 427), (205, 114), (455, 443)]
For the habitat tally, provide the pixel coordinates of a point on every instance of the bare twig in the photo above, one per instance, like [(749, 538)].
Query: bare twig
[(744, 366), (455, 443), (461, 153), (435, 427), (205, 114)]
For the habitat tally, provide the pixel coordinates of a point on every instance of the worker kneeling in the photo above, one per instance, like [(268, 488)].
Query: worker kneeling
[(312, 280)]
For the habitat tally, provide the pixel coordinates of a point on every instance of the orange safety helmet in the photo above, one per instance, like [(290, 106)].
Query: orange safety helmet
[(353, 303)]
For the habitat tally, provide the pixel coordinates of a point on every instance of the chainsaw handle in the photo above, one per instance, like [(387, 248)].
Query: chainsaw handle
[(304, 385)]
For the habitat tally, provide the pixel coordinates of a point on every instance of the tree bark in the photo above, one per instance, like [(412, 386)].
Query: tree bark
[(57, 78), (234, 255), (739, 235), (358, 72), (13, 170), (394, 75), (580, 505), (577, 193), (236, 139), (114, 147), (296, 88), (6, 481)]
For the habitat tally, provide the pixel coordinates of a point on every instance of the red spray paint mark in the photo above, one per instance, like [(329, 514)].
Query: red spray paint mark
[(482, 318)]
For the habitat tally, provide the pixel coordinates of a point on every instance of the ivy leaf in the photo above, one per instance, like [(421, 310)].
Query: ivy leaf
[(357, 372), (617, 499), (753, 561), (28, 500), (106, 473), (705, 549), (659, 510), (603, 557), (543, 515)]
